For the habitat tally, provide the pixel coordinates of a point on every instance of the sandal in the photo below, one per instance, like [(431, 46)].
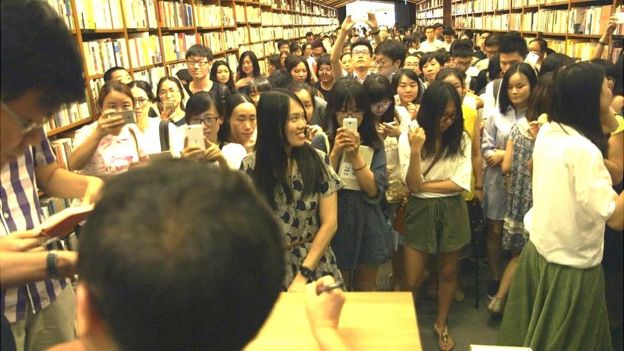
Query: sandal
[(445, 341)]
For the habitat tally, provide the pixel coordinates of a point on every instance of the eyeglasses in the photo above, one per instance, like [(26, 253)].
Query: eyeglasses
[(192, 63), (25, 125), (381, 105), (140, 102), (350, 114), (207, 120), (360, 52)]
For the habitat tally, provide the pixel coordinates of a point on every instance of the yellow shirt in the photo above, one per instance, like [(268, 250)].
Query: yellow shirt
[(620, 127), (470, 118)]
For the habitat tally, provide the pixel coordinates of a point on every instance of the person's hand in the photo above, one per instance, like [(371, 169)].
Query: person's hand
[(212, 152), (341, 140), (314, 130), (371, 22), (323, 309), (391, 130), (192, 153), (93, 191), (381, 131), (534, 129), (242, 82), (413, 110), (495, 158), (417, 138), (110, 123), (478, 195), (298, 284), (347, 24), (22, 240), (352, 143), (611, 25)]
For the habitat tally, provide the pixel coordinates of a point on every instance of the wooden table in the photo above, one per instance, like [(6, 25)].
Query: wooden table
[(369, 321)]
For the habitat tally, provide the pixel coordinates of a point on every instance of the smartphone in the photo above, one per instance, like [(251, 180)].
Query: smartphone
[(390, 124), (397, 100), (350, 123), (195, 136), (128, 116), (531, 58)]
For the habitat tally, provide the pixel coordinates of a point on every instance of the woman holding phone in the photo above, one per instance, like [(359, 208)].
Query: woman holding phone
[(202, 110), (409, 90), (170, 96), (363, 240), (112, 143), (299, 186)]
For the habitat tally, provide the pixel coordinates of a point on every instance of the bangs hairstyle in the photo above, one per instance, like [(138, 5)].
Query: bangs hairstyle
[(325, 60), (555, 62), (274, 60), (143, 85), (293, 61), (254, 62), (110, 86), (429, 56), (200, 103), (541, 97), (434, 102), (271, 169), (576, 101), (178, 84), (451, 72), (257, 85), (349, 93), (411, 74), (233, 100), (213, 74), (378, 88), (297, 87), (523, 68)]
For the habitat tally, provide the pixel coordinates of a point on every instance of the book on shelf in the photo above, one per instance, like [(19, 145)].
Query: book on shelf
[(239, 13), (232, 62), (144, 50), (175, 15), (214, 41), (173, 69), (62, 148), (589, 20), (253, 14), (175, 45), (135, 13), (68, 114), (102, 54), (255, 34), (209, 15), (228, 16), (151, 75), (99, 14), (52, 205), (64, 9)]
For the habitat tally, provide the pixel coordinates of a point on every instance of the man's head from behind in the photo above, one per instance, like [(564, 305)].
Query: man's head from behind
[(34, 84), (178, 256)]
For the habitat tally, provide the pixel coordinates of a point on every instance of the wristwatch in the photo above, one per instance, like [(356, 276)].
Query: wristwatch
[(51, 264), (307, 273)]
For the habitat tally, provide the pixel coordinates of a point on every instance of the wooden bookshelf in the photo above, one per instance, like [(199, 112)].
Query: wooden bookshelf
[(143, 27), (558, 22)]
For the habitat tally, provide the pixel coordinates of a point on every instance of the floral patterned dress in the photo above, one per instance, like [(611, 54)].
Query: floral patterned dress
[(300, 221), (519, 196)]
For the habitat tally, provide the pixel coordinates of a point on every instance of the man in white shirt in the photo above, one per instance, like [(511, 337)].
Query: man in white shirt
[(431, 43), (361, 50), (449, 35)]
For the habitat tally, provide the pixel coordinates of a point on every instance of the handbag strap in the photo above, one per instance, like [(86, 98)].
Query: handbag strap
[(163, 132), (437, 157), (136, 143)]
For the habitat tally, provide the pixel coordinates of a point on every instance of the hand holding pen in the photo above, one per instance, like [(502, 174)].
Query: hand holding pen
[(324, 301)]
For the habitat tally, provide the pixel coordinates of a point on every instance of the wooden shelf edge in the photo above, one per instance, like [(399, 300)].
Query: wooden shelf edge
[(68, 127)]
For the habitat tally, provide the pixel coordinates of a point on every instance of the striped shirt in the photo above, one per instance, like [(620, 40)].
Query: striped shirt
[(20, 210)]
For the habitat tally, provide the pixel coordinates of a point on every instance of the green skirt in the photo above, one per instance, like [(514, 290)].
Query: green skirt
[(555, 307), (435, 225)]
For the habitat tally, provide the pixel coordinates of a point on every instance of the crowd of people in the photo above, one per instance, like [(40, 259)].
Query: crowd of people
[(355, 148)]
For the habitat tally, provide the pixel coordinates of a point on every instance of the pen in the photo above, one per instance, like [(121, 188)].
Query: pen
[(330, 287)]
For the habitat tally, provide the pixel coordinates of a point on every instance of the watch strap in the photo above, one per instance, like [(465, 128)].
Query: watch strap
[(51, 264)]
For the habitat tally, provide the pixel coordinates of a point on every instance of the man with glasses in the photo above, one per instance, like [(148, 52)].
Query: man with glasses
[(199, 62), (389, 57), (361, 50), (40, 308)]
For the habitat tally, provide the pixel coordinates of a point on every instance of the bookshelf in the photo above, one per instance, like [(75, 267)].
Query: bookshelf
[(572, 27), (150, 37)]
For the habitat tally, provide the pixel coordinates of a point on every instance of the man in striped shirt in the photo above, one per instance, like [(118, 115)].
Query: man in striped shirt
[(39, 308)]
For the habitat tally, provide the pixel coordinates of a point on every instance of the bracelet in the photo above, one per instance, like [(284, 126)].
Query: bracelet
[(602, 43), (359, 169), (478, 188), (51, 264)]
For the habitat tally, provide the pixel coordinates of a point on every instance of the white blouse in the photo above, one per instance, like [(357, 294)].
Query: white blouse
[(572, 198), (457, 169)]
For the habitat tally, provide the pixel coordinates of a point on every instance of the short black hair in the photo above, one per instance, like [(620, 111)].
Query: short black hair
[(394, 49), (362, 42), (317, 43), (145, 86), (281, 43), (606, 66), (448, 31), (199, 50), (437, 25), (462, 48), (34, 36), (523, 68), (543, 45), (210, 276), (554, 62), (492, 40), (469, 34), (512, 42), (309, 33), (108, 75)]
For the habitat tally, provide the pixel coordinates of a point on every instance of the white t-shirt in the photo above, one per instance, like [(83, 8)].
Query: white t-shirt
[(426, 46), (234, 154), (151, 138), (572, 198), (457, 169)]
